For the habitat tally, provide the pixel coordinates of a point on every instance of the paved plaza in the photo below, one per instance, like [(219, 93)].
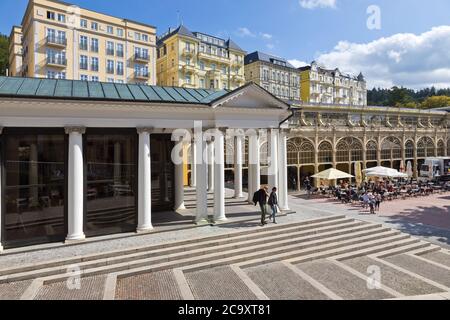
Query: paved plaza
[(324, 251)]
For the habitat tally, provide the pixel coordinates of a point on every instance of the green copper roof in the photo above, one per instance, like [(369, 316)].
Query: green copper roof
[(83, 90)]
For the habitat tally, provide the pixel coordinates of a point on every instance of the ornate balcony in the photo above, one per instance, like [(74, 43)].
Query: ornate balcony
[(57, 62), (59, 42), (139, 57), (142, 75)]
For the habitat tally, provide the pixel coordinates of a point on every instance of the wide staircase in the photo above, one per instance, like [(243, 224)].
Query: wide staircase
[(328, 258)]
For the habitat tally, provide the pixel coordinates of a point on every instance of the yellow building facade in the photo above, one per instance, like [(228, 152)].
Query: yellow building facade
[(58, 40), (197, 60), (331, 86)]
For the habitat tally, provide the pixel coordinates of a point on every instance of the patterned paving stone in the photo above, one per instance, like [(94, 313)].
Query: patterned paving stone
[(218, 284), (438, 257), (91, 288), (341, 282), (151, 286), (422, 268), (14, 290), (280, 283), (394, 279)]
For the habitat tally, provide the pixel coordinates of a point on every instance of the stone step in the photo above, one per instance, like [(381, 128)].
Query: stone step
[(279, 282), (342, 282), (395, 279), (422, 268), (201, 256), (392, 252), (382, 251), (319, 251), (440, 257), (303, 225), (192, 250), (269, 256)]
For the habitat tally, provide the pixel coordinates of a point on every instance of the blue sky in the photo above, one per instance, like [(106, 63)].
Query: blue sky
[(304, 30)]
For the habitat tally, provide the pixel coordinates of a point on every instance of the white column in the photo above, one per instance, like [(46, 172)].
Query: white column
[(1, 205), (273, 153), (211, 167), (75, 194), (283, 193), (254, 164), (193, 162), (238, 167), (202, 180), (219, 177), (179, 178), (144, 182)]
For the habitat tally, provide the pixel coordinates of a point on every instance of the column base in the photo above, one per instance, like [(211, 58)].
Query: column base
[(182, 207), (147, 229), (220, 220), (202, 222), (75, 239), (239, 196)]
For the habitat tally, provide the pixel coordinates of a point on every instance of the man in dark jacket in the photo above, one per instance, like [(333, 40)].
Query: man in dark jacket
[(273, 203), (260, 197)]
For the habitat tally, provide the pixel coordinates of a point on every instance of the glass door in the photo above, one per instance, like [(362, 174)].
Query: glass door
[(163, 197)]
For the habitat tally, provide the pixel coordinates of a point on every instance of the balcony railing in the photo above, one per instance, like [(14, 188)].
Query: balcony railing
[(141, 74), (57, 41), (57, 61), (141, 57)]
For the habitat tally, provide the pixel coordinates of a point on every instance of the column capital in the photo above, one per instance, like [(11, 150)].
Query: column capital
[(148, 130), (75, 129)]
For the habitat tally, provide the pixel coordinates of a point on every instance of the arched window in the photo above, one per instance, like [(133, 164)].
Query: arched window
[(292, 153), (356, 151), (229, 153), (300, 151), (425, 148), (371, 153), (343, 151), (325, 152), (409, 149), (391, 149), (306, 152), (441, 148), (264, 152)]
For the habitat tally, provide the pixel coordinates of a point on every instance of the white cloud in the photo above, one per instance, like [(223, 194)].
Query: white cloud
[(297, 63), (266, 36), (313, 4), (403, 59), (245, 32)]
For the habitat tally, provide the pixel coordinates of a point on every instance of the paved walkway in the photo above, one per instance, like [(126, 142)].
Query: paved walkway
[(426, 217)]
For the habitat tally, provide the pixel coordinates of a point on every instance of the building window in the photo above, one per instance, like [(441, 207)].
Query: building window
[(83, 23), (120, 68), (110, 80), (110, 48), (94, 45), (120, 81), (94, 26), (188, 79), (119, 51), (51, 74), (325, 152), (50, 15), (84, 77), (145, 37), (94, 64), (94, 79), (371, 151), (224, 69), (83, 43), (83, 62), (120, 32), (137, 36), (110, 30), (202, 83), (110, 66), (201, 65), (61, 18)]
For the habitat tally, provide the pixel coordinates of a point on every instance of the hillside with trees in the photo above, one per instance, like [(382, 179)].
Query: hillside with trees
[(4, 48), (400, 97)]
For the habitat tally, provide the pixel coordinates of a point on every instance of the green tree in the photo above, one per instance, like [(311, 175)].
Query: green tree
[(435, 102), (4, 54)]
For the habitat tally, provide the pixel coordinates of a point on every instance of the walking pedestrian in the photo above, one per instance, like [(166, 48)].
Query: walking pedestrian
[(260, 197), (273, 203)]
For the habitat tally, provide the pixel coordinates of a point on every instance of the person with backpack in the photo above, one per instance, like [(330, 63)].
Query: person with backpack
[(260, 197), (273, 203)]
